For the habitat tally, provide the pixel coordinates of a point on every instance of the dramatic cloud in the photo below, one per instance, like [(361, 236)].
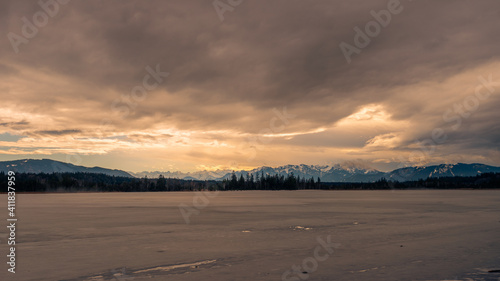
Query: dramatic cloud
[(58, 132), (142, 85)]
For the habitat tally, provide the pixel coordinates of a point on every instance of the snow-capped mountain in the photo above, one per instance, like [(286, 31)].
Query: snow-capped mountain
[(200, 175), (442, 170), (335, 173), (352, 173)]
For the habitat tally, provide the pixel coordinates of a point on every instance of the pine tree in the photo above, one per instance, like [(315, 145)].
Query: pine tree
[(241, 182)]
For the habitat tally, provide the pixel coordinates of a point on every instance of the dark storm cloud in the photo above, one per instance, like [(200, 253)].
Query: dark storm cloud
[(14, 124), (265, 54), (58, 132)]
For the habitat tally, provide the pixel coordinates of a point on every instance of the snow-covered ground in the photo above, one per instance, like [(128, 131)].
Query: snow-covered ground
[(259, 235)]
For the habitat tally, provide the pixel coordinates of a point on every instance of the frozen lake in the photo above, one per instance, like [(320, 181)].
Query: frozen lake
[(257, 235)]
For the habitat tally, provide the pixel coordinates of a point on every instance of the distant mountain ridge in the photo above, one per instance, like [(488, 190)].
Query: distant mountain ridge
[(327, 173), (200, 175), (335, 173), (339, 173), (51, 166), (442, 170)]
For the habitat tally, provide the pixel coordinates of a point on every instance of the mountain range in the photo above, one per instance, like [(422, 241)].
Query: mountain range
[(327, 173)]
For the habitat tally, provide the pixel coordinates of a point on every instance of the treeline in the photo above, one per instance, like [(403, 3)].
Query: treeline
[(88, 182), (270, 182), (483, 181)]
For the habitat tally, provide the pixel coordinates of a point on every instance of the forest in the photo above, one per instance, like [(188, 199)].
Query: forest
[(90, 182)]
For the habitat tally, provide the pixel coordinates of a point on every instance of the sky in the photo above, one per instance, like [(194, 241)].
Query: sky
[(236, 84)]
